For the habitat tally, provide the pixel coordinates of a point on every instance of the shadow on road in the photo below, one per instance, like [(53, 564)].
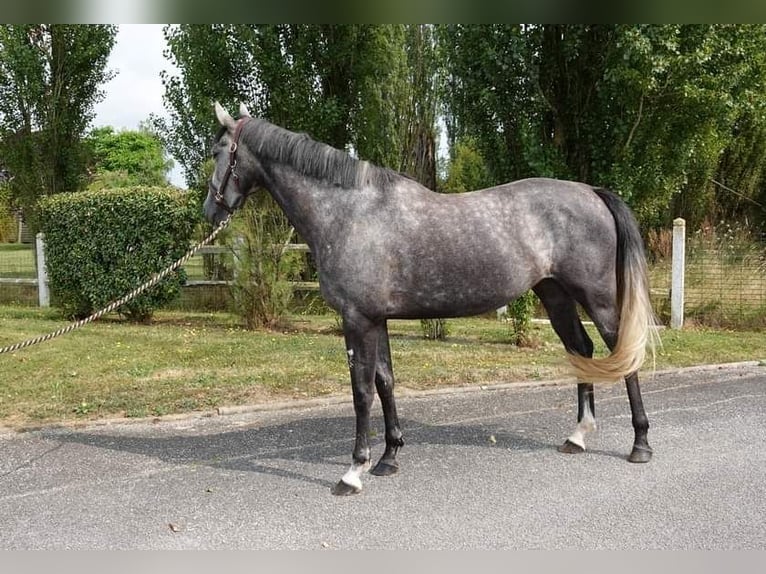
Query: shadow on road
[(327, 441)]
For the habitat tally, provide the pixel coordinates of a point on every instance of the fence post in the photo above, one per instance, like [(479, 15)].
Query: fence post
[(679, 264), (43, 295), (238, 248)]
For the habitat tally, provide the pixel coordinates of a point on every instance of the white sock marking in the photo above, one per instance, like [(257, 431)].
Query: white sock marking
[(352, 475), (587, 424)]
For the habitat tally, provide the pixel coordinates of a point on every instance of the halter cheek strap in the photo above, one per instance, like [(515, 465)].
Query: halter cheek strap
[(231, 169)]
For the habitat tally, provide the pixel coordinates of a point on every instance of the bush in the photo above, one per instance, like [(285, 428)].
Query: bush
[(520, 313), (263, 268), (101, 245)]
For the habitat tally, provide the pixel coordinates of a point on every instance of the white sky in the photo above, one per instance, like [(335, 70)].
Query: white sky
[(136, 90)]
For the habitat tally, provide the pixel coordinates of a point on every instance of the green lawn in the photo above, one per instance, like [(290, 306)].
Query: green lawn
[(195, 361)]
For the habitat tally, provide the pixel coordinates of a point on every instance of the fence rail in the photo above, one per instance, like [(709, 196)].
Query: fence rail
[(221, 249), (18, 281)]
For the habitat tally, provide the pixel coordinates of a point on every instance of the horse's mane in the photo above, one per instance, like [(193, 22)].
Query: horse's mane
[(313, 158)]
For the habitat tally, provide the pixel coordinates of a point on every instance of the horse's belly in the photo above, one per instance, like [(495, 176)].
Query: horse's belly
[(417, 305)]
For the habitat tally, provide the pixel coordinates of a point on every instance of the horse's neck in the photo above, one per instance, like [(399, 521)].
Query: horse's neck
[(307, 203)]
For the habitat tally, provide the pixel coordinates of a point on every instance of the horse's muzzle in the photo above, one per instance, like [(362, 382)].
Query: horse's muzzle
[(212, 211)]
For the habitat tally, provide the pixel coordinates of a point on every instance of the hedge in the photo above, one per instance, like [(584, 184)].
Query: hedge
[(102, 244)]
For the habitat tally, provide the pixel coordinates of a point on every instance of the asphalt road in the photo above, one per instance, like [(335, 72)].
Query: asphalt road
[(480, 470)]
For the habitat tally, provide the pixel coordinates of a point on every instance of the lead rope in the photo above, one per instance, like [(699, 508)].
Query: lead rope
[(156, 278)]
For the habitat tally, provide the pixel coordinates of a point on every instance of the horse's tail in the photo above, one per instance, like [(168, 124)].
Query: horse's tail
[(637, 326)]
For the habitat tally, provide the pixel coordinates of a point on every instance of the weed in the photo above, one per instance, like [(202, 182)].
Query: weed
[(519, 319), (435, 329), (83, 408)]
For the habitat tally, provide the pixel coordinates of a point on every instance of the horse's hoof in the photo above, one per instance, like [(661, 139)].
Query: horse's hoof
[(571, 448), (385, 468), (640, 454), (343, 489)]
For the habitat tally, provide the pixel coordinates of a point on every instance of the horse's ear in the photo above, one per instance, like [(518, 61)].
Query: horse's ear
[(243, 111), (224, 118)]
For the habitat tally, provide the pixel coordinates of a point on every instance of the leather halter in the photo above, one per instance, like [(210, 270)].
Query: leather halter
[(231, 169)]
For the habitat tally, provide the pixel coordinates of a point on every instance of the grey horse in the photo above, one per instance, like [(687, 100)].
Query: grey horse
[(388, 248)]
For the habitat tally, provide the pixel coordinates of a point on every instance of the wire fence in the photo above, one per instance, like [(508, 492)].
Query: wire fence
[(725, 281), (18, 276)]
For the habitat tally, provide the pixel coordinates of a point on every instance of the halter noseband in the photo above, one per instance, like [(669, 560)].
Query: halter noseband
[(231, 169)]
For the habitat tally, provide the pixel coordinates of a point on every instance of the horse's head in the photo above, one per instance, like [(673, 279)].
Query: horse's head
[(236, 169)]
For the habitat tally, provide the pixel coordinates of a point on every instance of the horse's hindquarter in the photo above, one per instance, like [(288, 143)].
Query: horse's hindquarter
[(423, 254)]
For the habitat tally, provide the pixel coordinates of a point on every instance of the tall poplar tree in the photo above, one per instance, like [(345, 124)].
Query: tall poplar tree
[(339, 83)]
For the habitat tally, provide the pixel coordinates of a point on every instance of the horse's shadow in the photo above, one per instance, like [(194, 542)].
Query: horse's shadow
[(320, 440)]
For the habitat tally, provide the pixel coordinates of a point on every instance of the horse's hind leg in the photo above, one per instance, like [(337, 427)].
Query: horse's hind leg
[(641, 451), (562, 311), (384, 382), (607, 321)]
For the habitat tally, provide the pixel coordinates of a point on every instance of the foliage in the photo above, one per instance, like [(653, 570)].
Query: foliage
[(467, 171), (345, 85), (7, 220), (127, 158), (519, 317), (207, 66), (263, 267), (52, 75), (383, 106), (488, 93), (648, 110), (101, 245)]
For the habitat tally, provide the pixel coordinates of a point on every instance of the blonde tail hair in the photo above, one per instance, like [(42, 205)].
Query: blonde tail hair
[(638, 326)]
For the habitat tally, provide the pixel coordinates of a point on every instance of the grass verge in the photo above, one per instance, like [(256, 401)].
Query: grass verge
[(187, 362)]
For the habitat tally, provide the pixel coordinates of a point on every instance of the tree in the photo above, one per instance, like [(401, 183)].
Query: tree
[(680, 112), (467, 170), (647, 110), (331, 81), (209, 70), (51, 80), (489, 95), (382, 115), (127, 158)]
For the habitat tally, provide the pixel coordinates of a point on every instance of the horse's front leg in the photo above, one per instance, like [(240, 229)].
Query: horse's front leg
[(362, 336), (384, 382)]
